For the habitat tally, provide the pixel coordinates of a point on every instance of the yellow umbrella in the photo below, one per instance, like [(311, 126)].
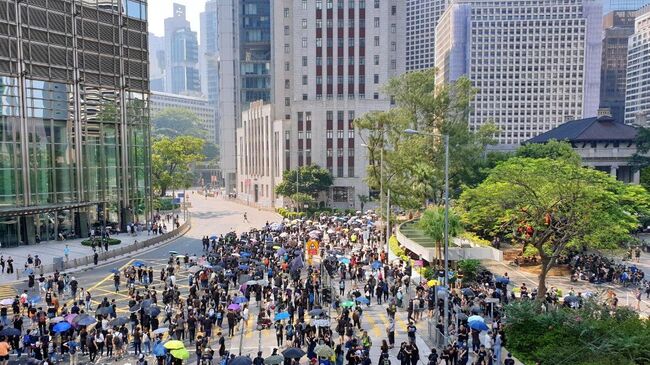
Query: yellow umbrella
[(432, 282), (174, 345), (181, 354)]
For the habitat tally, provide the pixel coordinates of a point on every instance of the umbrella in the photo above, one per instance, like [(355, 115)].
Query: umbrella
[(324, 351), (173, 253), (243, 267), (10, 331), (347, 303), (274, 360), (115, 271), (147, 303), (321, 323), (234, 307), (135, 308), (104, 311), (432, 282), (475, 319), (139, 264), (86, 321), (468, 292), (284, 235), (8, 301), (181, 354), (362, 300), (194, 269), (152, 311), (34, 299), (376, 265), (70, 317), (57, 319), (245, 254), (502, 280), (479, 326), (159, 350), (476, 310), (241, 360), (316, 312), (62, 327), (282, 315), (344, 260), (161, 330), (293, 353), (571, 299), (213, 237), (29, 271), (240, 300), (174, 345), (461, 316), (119, 321)]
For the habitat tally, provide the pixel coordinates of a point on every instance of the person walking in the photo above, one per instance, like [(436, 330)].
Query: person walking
[(390, 332), (4, 351)]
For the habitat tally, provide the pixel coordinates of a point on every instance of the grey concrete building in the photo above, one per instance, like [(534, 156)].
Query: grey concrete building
[(421, 20)]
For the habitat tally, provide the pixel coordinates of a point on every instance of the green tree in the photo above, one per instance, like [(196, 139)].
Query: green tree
[(552, 149), (551, 204), (171, 161), (432, 223), (413, 165), (363, 199), (310, 180), (300, 199), (174, 122)]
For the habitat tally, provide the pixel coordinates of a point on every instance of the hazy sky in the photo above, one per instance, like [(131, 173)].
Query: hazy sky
[(161, 9)]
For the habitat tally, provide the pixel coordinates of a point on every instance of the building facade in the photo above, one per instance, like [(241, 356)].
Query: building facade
[(202, 107), (330, 59), (613, 5), (181, 55), (421, 20), (209, 61), (156, 63), (535, 64), (74, 118), (259, 158), (637, 90), (618, 27), (244, 44)]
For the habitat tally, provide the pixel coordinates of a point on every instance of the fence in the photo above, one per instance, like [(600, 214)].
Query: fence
[(111, 253)]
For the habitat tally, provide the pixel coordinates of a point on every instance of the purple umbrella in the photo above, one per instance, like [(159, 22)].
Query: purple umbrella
[(234, 307), (70, 317)]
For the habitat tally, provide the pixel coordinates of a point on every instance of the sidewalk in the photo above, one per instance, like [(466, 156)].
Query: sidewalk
[(49, 250)]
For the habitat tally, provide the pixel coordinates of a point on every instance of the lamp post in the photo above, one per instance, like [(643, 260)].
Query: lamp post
[(381, 190), (446, 228)]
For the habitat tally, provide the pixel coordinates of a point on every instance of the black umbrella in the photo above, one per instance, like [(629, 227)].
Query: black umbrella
[(152, 311), (10, 331), (241, 360), (119, 321), (461, 316), (147, 303), (316, 312), (293, 353), (135, 308), (103, 311)]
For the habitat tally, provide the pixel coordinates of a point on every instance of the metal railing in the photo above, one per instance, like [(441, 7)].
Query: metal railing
[(111, 253)]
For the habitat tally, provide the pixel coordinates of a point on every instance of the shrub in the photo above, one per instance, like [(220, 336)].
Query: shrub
[(469, 268), (111, 241), (165, 204), (474, 238)]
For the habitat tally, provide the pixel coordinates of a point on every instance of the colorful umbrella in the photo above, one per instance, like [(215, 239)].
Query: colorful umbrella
[(234, 307), (161, 330), (181, 354), (274, 360), (324, 351), (174, 345), (479, 326), (433, 282), (347, 304), (8, 301), (282, 316), (61, 327), (362, 300), (159, 350), (240, 300)]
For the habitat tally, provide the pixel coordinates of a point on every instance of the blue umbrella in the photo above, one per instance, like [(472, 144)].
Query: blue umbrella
[(240, 300), (376, 265), (139, 264), (281, 316), (159, 350), (29, 271), (362, 300), (62, 327), (478, 325), (245, 254), (213, 237), (115, 271), (34, 299), (243, 267), (502, 280), (86, 321)]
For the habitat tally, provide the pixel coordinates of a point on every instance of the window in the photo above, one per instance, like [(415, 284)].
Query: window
[(339, 152), (376, 22), (319, 80), (362, 23), (351, 4), (393, 46), (351, 135), (287, 66), (362, 4), (350, 23), (376, 4), (304, 97), (339, 4), (362, 42), (319, 42), (319, 61), (351, 61), (330, 42), (286, 48), (362, 79), (287, 84), (304, 24), (286, 12), (330, 4), (375, 96), (319, 4), (393, 28), (376, 41), (376, 58), (393, 64), (304, 79), (319, 23), (376, 78), (339, 135), (286, 30), (304, 4), (330, 23), (339, 61), (308, 134), (304, 61), (304, 42), (351, 150), (340, 193), (287, 101), (393, 10), (329, 134)]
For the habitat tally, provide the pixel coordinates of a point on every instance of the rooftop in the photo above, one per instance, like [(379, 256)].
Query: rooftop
[(602, 128)]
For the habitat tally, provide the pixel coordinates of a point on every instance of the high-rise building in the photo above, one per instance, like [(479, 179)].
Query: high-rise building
[(200, 106), (181, 55), (535, 64), (244, 58), (421, 20), (617, 28), (637, 90), (330, 59), (156, 63), (208, 51), (74, 118), (612, 5)]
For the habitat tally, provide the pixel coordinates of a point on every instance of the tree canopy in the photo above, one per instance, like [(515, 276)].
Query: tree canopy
[(552, 149), (310, 179), (552, 204), (413, 165), (171, 160), (174, 122), (432, 223)]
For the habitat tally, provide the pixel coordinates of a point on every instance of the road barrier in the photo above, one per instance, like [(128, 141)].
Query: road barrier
[(62, 265)]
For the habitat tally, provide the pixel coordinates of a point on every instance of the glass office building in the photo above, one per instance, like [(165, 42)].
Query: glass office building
[(255, 51), (74, 118), (612, 5)]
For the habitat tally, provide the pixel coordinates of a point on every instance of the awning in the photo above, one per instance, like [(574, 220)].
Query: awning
[(22, 211)]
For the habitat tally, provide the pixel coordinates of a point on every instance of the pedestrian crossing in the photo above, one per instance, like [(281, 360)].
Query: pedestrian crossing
[(7, 291)]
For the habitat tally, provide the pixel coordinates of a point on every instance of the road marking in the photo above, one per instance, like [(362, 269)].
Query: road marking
[(7, 291), (69, 302)]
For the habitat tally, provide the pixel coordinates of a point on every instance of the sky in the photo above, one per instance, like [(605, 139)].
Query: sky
[(161, 9)]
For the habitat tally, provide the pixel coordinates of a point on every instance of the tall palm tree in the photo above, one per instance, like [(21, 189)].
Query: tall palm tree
[(432, 223)]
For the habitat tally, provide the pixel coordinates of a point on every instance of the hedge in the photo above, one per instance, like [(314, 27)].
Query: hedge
[(111, 241), (285, 213)]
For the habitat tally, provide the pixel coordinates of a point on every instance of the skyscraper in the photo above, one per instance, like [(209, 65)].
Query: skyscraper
[(421, 20), (208, 51), (74, 118), (535, 64), (618, 26), (244, 45), (330, 59), (181, 55), (156, 63), (612, 5), (637, 90)]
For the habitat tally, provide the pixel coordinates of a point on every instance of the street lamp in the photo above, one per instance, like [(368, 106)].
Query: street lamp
[(381, 187), (446, 231)]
